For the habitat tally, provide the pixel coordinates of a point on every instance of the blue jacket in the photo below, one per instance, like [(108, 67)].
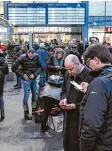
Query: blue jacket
[(96, 113), (43, 56)]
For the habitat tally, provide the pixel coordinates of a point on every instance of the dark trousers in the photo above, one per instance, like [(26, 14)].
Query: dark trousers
[(19, 80), (1, 102), (49, 103), (71, 125), (1, 97)]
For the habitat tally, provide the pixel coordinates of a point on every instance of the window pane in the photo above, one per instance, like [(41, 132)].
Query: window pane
[(96, 8), (109, 8)]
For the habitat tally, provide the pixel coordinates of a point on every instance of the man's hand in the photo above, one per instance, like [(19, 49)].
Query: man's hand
[(70, 106), (63, 103), (26, 77), (84, 85), (32, 76)]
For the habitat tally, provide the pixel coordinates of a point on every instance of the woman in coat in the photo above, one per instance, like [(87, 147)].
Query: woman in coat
[(55, 66)]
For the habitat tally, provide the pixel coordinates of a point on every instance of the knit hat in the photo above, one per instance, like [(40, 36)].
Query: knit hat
[(42, 45)]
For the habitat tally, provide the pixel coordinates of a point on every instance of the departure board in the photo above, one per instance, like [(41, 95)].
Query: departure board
[(27, 14), (66, 13), (32, 14)]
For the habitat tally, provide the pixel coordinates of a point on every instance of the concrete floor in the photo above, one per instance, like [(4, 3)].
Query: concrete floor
[(16, 134)]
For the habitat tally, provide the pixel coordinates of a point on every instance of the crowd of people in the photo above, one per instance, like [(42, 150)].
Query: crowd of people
[(87, 111)]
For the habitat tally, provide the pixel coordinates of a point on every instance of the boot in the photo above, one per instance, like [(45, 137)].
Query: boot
[(34, 107), (15, 85), (27, 116), (2, 115), (44, 128)]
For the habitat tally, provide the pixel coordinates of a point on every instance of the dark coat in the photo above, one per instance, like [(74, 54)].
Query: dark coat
[(69, 51), (51, 66), (71, 121), (17, 52), (96, 113), (28, 66), (3, 70)]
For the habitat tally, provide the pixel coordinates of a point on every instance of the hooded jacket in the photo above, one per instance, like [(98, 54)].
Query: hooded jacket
[(96, 113), (43, 56)]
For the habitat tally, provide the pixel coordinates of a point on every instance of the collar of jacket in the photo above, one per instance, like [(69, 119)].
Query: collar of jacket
[(82, 74), (28, 57), (102, 71)]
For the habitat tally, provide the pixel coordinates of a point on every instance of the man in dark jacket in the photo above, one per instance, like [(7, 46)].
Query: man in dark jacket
[(29, 71), (96, 107), (71, 99), (3, 71), (17, 54)]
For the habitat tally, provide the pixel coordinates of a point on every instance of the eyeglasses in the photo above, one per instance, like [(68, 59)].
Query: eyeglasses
[(87, 62)]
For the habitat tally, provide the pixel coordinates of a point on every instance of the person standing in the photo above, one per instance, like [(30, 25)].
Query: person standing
[(30, 66), (43, 56), (96, 107), (17, 54), (3, 71), (71, 99)]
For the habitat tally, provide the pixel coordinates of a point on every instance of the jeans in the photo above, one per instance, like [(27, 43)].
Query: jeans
[(30, 85), (42, 78), (1, 102), (19, 81)]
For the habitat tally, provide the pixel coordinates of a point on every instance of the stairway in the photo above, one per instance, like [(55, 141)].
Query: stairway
[(9, 58)]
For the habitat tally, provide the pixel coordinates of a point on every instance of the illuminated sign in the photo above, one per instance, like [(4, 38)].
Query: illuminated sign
[(33, 14), (108, 29), (42, 29)]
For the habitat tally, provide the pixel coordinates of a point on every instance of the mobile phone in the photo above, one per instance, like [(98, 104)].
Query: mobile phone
[(76, 85)]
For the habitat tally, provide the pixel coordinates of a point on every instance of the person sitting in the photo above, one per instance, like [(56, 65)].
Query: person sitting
[(55, 66)]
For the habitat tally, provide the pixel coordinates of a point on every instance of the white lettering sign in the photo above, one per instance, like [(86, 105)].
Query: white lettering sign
[(42, 29)]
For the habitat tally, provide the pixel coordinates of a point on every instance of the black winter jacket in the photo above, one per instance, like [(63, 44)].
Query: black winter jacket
[(28, 66), (51, 66), (3, 70), (96, 113)]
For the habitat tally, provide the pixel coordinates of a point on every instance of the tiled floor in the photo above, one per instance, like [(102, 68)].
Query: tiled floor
[(19, 135)]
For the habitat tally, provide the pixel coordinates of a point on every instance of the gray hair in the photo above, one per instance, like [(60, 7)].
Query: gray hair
[(72, 58)]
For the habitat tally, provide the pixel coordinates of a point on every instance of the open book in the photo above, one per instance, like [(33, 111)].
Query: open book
[(76, 85)]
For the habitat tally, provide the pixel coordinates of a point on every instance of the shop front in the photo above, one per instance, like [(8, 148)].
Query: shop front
[(48, 33), (3, 34), (98, 32), (108, 34)]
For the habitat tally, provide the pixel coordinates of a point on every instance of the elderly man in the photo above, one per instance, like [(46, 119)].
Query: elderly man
[(96, 107), (71, 99)]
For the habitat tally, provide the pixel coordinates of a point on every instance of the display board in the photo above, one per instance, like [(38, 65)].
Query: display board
[(46, 14), (100, 21)]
